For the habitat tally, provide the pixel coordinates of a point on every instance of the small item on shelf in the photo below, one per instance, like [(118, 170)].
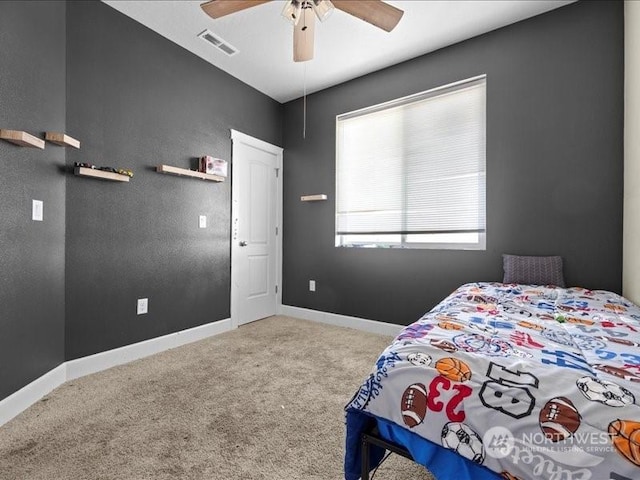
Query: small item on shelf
[(206, 164), (220, 167), (213, 166), (83, 165), (119, 171)]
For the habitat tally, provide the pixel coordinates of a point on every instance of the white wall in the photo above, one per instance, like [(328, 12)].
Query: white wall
[(631, 237)]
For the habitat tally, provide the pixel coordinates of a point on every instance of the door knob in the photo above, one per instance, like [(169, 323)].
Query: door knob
[(243, 243)]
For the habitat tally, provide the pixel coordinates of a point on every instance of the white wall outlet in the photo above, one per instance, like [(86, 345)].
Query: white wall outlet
[(312, 285), (37, 210), (143, 306), (203, 221)]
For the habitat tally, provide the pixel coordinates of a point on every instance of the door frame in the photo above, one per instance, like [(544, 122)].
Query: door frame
[(242, 138)]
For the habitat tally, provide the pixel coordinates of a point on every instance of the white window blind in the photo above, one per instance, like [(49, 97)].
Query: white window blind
[(414, 166)]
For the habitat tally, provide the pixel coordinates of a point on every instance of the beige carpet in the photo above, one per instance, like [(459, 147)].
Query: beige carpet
[(262, 402)]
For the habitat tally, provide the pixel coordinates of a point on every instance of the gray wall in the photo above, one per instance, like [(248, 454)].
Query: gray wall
[(137, 100), (32, 98), (554, 167), (134, 100)]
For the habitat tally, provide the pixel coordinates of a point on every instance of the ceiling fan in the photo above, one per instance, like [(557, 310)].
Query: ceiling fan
[(301, 14)]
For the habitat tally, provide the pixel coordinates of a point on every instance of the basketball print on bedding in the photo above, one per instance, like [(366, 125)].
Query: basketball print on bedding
[(625, 435), (580, 321), (559, 419), (453, 369), (531, 326), (446, 325), (414, 404)]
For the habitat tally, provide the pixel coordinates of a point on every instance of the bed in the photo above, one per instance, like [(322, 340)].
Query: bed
[(507, 381)]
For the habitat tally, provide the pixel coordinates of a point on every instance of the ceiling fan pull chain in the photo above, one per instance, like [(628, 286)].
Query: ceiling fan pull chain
[(304, 16), (304, 102), (304, 98)]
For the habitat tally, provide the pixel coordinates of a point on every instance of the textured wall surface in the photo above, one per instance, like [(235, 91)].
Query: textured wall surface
[(137, 100), (554, 167), (631, 269), (134, 99), (32, 98)]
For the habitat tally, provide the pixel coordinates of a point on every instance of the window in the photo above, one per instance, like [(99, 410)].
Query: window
[(411, 173)]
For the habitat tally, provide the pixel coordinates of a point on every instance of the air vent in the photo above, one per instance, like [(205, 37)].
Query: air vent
[(222, 45)]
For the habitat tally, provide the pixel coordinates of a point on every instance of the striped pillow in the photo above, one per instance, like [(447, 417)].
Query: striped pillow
[(533, 270)]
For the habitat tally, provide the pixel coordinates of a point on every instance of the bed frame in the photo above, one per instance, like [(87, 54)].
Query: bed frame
[(372, 437)]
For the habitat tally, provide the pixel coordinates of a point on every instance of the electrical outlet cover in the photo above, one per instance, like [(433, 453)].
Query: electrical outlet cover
[(203, 221), (143, 306), (37, 210), (312, 285)]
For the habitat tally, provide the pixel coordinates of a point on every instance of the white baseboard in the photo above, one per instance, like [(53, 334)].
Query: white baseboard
[(33, 392), (30, 394), (119, 356), (372, 326)]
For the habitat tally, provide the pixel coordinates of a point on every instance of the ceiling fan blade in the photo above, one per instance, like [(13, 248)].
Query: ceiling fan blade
[(375, 12), (303, 36), (220, 8)]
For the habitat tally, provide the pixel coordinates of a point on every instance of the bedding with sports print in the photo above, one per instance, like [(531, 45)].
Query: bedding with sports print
[(526, 381)]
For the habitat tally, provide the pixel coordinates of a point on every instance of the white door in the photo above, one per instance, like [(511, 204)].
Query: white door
[(255, 214)]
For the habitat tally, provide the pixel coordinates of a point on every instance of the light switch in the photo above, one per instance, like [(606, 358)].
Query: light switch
[(37, 210), (203, 221)]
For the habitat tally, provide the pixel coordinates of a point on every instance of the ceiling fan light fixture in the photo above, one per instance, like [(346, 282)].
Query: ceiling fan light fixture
[(323, 9), (292, 11)]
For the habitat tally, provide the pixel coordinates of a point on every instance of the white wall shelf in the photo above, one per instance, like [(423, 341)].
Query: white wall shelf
[(101, 174), (62, 139), (313, 198), (188, 173), (23, 139)]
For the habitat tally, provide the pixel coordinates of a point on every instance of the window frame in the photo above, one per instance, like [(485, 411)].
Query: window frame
[(404, 242)]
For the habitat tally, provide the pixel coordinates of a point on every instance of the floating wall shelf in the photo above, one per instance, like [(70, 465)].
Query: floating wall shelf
[(101, 174), (188, 173), (62, 139), (313, 198), (21, 138)]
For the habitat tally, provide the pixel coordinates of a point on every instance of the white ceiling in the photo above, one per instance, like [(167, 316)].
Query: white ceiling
[(345, 47)]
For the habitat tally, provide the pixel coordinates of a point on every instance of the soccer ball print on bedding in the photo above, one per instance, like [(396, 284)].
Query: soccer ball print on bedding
[(461, 439), (602, 391), (419, 359)]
